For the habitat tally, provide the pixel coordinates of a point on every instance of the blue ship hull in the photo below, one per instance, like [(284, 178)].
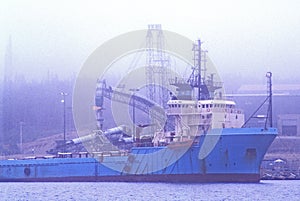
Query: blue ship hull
[(235, 157)]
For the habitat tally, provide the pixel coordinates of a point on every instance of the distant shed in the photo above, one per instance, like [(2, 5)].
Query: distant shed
[(286, 106)]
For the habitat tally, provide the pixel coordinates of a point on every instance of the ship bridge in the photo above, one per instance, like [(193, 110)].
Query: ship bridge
[(198, 116)]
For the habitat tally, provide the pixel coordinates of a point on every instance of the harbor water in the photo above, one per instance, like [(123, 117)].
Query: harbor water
[(265, 190)]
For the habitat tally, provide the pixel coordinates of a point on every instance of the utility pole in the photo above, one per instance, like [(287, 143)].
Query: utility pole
[(64, 117), (133, 112), (21, 136)]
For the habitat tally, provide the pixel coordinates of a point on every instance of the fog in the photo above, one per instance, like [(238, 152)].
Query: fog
[(243, 38)]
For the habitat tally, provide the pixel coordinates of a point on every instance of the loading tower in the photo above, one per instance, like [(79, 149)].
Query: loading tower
[(157, 63)]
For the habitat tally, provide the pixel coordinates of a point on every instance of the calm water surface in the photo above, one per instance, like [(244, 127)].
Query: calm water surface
[(265, 190)]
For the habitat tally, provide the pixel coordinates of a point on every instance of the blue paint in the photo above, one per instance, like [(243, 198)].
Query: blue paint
[(237, 151)]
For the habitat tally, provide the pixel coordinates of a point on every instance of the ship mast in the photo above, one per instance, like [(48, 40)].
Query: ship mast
[(269, 117), (270, 109), (198, 52), (205, 89)]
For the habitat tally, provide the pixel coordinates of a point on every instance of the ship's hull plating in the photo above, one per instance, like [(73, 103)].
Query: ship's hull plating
[(235, 157), (182, 178)]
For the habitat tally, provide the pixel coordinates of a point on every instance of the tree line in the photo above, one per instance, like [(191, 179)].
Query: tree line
[(33, 109)]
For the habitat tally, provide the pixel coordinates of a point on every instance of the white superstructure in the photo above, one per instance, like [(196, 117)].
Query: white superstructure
[(193, 117)]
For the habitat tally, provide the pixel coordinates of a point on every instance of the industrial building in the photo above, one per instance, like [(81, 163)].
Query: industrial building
[(285, 102)]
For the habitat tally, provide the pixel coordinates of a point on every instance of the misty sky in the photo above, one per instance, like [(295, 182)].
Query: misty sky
[(242, 37)]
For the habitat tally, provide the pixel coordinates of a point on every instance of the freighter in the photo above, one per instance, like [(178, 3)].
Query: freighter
[(206, 141)]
